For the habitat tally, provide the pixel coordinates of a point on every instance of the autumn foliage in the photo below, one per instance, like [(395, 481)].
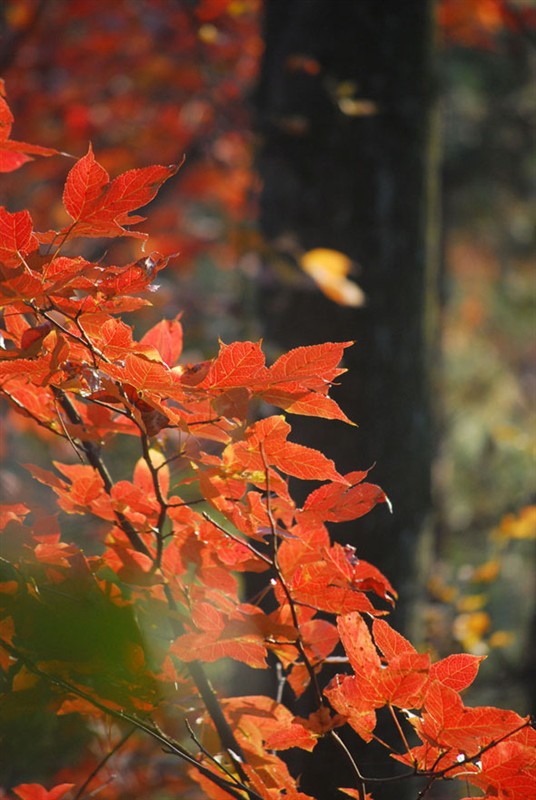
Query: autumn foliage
[(129, 626)]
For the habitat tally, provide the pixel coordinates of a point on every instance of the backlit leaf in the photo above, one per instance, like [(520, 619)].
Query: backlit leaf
[(314, 367), (16, 236), (457, 671), (237, 364), (166, 337), (338, 502), (99, 207), (266, 444)]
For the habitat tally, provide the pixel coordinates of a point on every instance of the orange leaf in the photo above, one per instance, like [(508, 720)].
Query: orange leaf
[(166, 337), (337, 502), (270, 434), (84, 186), (220, 637), (245, 646), (457, 671), (313, 367), (390, 642), (144, 375), (358, 644), (507, 770), (16, 236), (346, 696), (237, 364), (447, 723), (292, 734), (304, 402), (99, 207)]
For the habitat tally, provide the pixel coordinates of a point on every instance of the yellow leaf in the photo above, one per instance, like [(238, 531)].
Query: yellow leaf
[(330, 269), (501, 639), (520, 526), (470, 628), (441, 590), (352, 107), (472, 602), (487, 572)]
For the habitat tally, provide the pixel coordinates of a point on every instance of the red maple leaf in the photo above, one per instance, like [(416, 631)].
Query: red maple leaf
[(313, 367), (219, 636), (341, 502), (265, 444), (507, 770), (399, 681), (447, 723), (100, 207), (17, 238), (237, 364), (299, 381), (457, 671), (166, 338)]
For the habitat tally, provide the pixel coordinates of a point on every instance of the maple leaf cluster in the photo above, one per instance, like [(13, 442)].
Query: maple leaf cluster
[(119, 624)]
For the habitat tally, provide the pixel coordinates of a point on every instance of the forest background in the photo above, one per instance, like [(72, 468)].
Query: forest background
[(153, 80)]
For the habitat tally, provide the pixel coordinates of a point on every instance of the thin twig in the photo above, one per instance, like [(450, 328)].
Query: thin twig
[(160, 500), (151, 729), (238, 540), (290, 600), (196, 670), (209, 755), (102, 763), (208, 695), (66, 432), (361, 786), (281, 681), (94, 458)]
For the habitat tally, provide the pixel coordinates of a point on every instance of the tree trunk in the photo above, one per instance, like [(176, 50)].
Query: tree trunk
[(361, 184)]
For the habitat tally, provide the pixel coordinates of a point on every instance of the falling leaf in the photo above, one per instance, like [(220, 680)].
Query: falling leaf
[(330, 269)]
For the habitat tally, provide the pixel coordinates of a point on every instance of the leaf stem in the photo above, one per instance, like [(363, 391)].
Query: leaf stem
[(149, 728), (94, 458), (361, 786)]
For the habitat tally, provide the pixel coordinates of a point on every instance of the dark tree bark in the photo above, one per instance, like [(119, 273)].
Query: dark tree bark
[(359, 184), (362, 185)]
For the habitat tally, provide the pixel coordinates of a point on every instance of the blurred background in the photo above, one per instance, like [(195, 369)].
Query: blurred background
[(353, 171)]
